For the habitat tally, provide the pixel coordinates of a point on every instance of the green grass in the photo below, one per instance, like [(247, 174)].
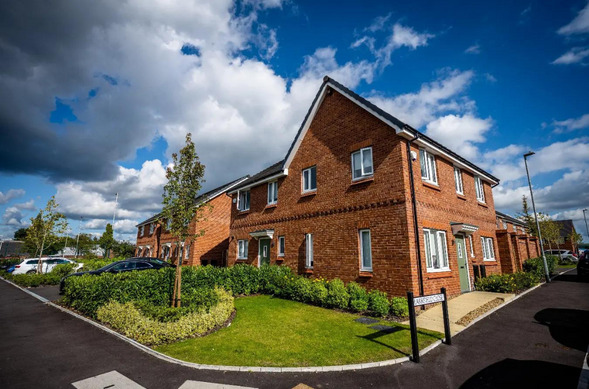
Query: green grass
[(270, 331)]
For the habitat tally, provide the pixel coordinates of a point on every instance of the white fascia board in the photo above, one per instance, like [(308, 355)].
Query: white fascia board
[(284, 173), (224, 190)]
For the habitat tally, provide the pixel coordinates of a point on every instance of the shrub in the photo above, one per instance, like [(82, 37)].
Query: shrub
[(337, 296), (318, 292), (378, 303), (129, 319), (536, 265), (507, 283), (399, 307), (302, 289), (358, 297), (63, 270)]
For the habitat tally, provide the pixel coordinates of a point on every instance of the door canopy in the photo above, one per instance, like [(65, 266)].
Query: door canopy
[(464, 228), (262, 234)]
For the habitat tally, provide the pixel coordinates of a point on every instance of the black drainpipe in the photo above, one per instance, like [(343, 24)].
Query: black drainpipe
[(414, 204)]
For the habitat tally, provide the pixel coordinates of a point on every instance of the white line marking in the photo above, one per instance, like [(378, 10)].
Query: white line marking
[(111, 380), (584, 377), (209, 385)]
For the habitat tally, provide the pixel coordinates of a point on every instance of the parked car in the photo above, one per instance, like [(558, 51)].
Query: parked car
[(130, 264), (29, 265), (583, 265), (566, 255)]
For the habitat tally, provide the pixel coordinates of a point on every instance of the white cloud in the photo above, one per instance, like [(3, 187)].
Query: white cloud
[(579, 25), (460, 133), (491, 78), (474, 49), (571, 124), (13, 217), (574, 55), (11, 194)]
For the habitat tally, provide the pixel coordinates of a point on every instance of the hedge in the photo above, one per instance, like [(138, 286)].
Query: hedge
[(507, 283), (34, 280), (536, 265), (128, 319)]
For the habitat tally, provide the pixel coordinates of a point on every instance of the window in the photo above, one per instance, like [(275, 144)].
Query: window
[(273, 192), (243, 201), (168, 224), (365, 250), (151, 228), (309, 251), (141, 230), (428, 167), (488, 251), (478, 185), (362, 163), (310, 179), (471, 246), (281, 246), (458, 181), (242, 246), (187, 252), (436, 251)]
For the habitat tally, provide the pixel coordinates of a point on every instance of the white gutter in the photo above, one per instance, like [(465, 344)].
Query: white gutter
[(284, 173)]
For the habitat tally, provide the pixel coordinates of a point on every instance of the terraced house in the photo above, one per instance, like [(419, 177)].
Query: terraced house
[(365, 197), (154, 238)]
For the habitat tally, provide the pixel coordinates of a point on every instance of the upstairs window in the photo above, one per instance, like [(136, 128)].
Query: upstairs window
[(310, 179), (281, 246), (428, 167), (243, 201), (458, 181), (478, 185), (273, 192), (362, 163), (309, 251), (436, 250), (186, 251), (365, 250), (141, 230), (488, 251), (242, 246), (151, 228), (471, 246), (168, 224)]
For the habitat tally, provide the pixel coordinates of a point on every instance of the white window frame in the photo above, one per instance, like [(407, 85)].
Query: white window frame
[(471, 246), (488, 248), (479, 189), (142, 230), (428, 167), (307, 188), (272, 192), (281, 246), (186, 251), (151, 228), (362, 253), (246, 201), (435, 240), (309, 251), (458, 181), (242, 248), (365, 171), (168, 224)]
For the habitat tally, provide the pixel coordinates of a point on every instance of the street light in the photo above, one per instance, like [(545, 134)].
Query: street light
[(585, 217), (526, 155), (78, 238)]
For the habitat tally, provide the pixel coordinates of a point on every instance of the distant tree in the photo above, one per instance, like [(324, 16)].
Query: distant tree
[(123, 249), (550, 230), (85, 244), (20, 234), (527, 218), (575, 238), (107, 241), (45, 229), (179, 206)]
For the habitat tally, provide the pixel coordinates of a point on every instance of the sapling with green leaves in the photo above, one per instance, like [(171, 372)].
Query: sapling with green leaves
[(185, 178)]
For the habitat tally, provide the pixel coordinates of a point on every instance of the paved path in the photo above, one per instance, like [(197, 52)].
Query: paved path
[(539, 340)]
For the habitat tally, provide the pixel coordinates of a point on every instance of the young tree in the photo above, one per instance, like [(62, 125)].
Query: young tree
[(575, 239), (550, 230), (527, 218), (45, 228), (124, 249), (20, 234), (179, 205), (106, 241)]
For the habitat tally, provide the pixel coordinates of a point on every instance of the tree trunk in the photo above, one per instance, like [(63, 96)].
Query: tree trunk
[(177, 294), (39, 264)]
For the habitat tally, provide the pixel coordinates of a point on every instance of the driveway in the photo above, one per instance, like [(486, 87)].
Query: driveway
[(539, 340)]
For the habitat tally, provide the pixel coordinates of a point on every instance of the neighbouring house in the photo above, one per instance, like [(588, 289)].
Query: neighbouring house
[(567, 228), (515, 243), (364, 197), (12, 248), (154, 238)]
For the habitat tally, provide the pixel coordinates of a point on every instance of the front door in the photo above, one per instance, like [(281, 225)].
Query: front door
[(462, 263), (264, 252)]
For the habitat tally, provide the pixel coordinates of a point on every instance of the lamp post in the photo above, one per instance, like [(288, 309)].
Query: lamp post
[(78, 238), (546, 273), (585, 217)]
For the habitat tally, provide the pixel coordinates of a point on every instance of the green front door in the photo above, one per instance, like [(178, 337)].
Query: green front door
[(264, 252), (462, 263)]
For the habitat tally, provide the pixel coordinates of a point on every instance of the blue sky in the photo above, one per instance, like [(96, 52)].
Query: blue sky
[(101, 94)]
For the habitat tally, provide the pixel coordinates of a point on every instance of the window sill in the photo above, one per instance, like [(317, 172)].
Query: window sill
[(482, 204), (365, 274), (270, 206), (489, 262), (279, 259), (244, 212), (461, 197), (241, 259), (309, 193), (308, 271), (439, 274), (431, 186), (363, 180)]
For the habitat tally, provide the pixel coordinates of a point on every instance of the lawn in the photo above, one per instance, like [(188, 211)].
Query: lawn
[(269, 331)]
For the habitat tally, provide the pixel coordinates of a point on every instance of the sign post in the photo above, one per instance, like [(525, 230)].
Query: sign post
[(423, 300)]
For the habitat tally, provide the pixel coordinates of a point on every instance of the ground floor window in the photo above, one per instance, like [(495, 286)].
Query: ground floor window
[(309, 251), (436, 250), (365, 250), (488, 250), (242, 246), (281, 246)]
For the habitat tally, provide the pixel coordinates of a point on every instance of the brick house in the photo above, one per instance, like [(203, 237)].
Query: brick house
[(155, 240), (365, 197), (515, 243), (566, 228)]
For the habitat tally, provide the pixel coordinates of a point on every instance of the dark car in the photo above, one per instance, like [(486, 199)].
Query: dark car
[(583, 265), (129, 264)]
